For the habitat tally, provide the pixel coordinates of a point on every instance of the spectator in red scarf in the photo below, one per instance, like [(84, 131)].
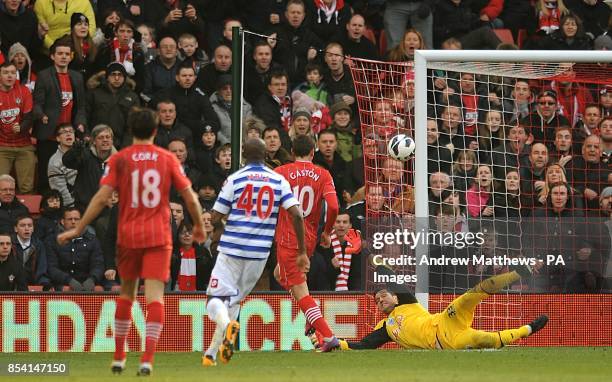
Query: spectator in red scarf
[(124, 48), (191, 262)]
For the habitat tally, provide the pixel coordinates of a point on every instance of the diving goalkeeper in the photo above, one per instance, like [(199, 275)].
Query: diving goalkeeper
[(411, 326)]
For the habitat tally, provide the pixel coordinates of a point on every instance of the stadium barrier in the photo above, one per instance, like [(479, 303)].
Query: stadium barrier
[(41, 322)]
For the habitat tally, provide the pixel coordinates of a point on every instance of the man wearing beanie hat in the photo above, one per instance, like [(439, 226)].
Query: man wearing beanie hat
[(18, 24), (18, 55), (55, 17), (546, 118), (342, 124), (110, 98)]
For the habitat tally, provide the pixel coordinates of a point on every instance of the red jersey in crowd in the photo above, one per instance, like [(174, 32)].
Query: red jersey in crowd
[(311, 185), (67, 98), (13, 105), (143, 176)]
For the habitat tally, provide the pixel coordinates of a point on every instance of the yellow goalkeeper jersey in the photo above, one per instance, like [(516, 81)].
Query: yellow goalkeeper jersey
[(411, 326)]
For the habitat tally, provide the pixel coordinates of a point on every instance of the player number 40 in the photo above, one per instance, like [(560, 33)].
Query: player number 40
[(245, 201), (145, 189)]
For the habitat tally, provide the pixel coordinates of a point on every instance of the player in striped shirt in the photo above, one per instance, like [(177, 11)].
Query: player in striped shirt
[(143, 175), (312, 185), (250, 200)]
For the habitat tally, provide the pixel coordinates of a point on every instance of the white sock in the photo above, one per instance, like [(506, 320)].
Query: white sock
[(217, 311), (216, 341)]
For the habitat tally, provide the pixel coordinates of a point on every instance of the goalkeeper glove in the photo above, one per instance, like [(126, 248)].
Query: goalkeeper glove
[(344, 345)]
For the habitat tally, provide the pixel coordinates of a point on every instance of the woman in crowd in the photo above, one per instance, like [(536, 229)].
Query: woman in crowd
[(555, 173), (84, 49), (479, 197), (569, 37), (404, 51)]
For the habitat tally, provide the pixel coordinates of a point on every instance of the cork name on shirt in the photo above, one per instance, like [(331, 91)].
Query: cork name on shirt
[(144, 156), (305, 172)]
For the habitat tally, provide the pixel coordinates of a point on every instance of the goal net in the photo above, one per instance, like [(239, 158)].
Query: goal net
[(510, 166)]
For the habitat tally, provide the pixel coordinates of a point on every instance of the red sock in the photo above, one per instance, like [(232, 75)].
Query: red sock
[(313, 315), (155, 323), (123, 320)]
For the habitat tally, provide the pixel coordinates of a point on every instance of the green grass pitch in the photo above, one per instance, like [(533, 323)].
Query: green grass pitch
[(506, 365)]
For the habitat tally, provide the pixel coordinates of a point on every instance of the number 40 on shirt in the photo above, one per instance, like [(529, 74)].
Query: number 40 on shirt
[(264, 201)]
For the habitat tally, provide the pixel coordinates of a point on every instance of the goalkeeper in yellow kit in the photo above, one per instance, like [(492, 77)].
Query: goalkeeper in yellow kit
[(412, 327)]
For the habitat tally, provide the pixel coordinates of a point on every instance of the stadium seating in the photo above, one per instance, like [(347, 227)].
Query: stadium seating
[(505, 35), (32, 202)]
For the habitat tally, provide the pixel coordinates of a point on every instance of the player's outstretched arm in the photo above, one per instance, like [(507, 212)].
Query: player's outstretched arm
[(374, 340), (96, 205), (195, 211)]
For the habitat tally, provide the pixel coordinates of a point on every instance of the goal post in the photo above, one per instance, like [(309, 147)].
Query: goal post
[(402, 97)]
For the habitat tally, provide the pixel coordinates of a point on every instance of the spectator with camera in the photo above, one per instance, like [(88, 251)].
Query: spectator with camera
[(124, 48), (89, 160), (181, 17), (62, 178)]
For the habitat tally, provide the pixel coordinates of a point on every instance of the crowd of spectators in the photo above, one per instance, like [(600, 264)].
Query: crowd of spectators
[(70, 71)]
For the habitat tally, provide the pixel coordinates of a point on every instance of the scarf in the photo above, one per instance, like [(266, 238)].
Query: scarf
[(285, 111), (124, 55), (330, 11), (549, 23), (187, 272), (353, 247)]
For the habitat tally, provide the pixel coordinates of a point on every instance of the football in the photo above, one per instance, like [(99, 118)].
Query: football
[(401, 147)]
